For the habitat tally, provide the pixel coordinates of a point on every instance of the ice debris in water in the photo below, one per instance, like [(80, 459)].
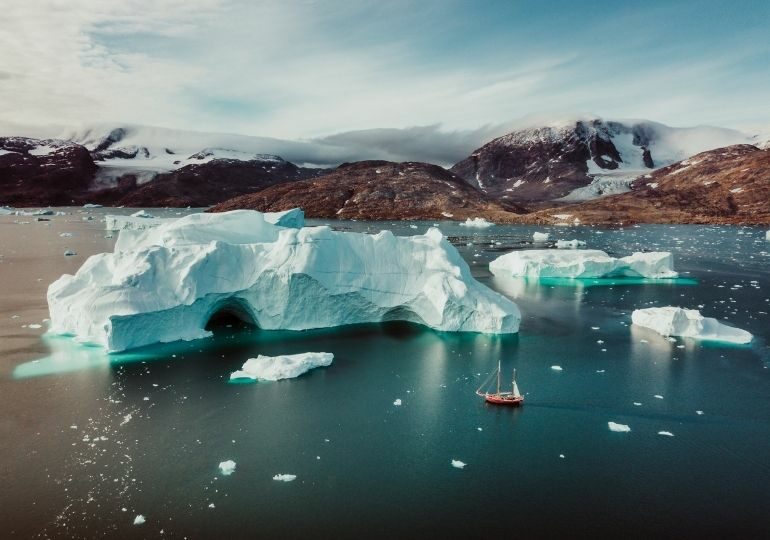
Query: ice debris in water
[(285, 477), (582, 263), (557, 368), (397, 403), (227, 467), (569, 244), (476, 223), (457, 464), (675, 321), (166, 283), (665, 433), (618, 428), (138, 520), (539, 237), (288, 366)]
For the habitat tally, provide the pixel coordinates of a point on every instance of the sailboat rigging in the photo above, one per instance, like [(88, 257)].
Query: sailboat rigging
[(500, 397)]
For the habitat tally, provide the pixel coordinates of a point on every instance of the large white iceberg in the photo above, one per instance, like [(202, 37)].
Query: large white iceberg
[(167, 283), (675, 321), (582, 263), (288, 366)]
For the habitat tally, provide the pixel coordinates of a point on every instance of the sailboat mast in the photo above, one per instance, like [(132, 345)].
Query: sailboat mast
[(499, 365)]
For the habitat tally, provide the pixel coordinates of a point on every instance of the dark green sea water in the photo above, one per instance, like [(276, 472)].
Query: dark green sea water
[(85, 437)]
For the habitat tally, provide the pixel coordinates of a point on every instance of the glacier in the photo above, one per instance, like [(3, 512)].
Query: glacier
[(166, 283), (582, 263), (676, 321), (287, 366)]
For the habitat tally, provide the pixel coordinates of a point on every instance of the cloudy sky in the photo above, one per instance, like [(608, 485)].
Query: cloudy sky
[(313, 68)]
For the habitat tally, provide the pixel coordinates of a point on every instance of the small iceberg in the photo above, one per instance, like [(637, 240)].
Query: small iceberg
[(582, 263), (227, 467), (569, 244), (477, 223), (618, 428), (665, 433), (139, 520), (676, 321), (275, 368), (457, 464), (540, 237), (285, 477)]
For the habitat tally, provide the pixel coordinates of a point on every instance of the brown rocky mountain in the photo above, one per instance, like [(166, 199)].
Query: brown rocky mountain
[(726, 185), (380, 190), (43, 172)]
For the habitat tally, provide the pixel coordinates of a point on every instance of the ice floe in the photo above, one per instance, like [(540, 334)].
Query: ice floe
[(676, 321), (275, 368), (227, 467), (477, 223), (285, 477), (618, 428), (582, 263), (166, 283), (569, 244), (457, 464)]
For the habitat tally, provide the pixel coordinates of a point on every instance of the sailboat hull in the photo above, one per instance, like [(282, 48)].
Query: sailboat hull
[(503, 399)]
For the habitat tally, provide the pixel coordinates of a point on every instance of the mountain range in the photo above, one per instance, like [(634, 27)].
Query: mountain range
[(599, 169)]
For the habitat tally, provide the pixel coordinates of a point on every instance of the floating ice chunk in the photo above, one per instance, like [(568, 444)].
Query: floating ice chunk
[(569, 244), (699, 413), (675, 321), (35, 326), (658, 396), (139, 520), (457, 464), (165, 284), (142, 214), (288, 366), (397, 403), (69, 253), (582, 263), (92, 205), (557, 368), (665, 433), (540, 237), (285, 477), (767, 236), (476, 223), (227, 467), (618, 428)]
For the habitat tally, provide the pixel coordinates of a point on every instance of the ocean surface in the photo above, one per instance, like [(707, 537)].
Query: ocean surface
[(88, 441)]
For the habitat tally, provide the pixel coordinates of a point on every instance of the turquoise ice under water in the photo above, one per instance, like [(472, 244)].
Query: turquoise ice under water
[(365, 466)]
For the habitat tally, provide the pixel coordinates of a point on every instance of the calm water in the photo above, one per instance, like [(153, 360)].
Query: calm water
[(87, 442)]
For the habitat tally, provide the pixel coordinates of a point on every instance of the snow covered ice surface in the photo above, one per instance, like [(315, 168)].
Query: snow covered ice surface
[(676, 321), (582, 263), (275, 368), (476, 223), (166, 283)]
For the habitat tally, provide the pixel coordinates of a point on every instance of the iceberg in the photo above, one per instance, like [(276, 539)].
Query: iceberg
[(569, 244), (582, 263), (476, 223), (540, 237), (227, 467), (275, 368), (166, 283), (675, 321), (141, 220), (618, 428), (285, 477)]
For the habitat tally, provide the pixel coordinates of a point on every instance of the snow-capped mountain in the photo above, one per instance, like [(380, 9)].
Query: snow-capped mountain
[(583, 158)]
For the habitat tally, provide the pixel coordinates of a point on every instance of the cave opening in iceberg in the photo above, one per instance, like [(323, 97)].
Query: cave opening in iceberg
[(232, 312)]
